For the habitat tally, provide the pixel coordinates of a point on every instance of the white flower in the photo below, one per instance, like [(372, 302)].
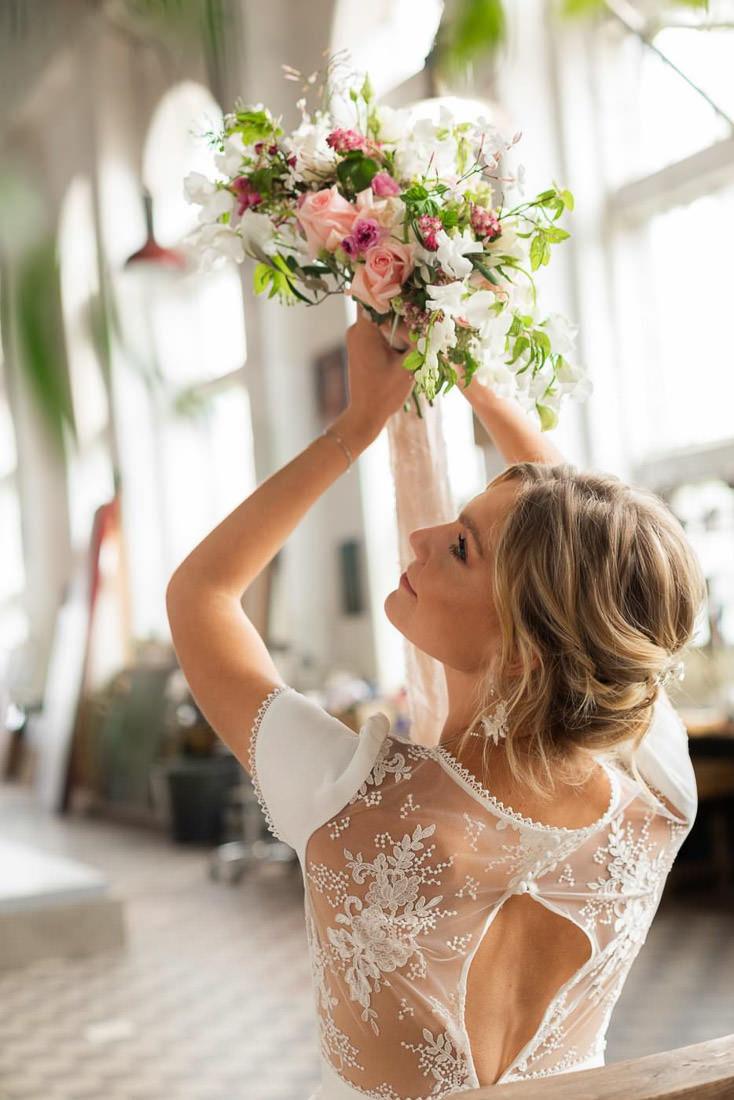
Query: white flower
[(452, 251), (314, 158), (214, 245), (221, 202), (204, 192), (393, 124), (477, 309), (197, 188), (507, 244), (257, 231), (448, 298), (562, 334), (441, 337), (229, 161)]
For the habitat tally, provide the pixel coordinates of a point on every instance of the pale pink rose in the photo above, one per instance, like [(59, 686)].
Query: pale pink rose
[(389, 211), (381, 276), (326, 218)]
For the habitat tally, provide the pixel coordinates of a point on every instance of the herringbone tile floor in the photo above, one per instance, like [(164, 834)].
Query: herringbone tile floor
[(212, 998)]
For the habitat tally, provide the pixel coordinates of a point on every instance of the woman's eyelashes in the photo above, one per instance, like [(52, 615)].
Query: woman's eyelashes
[(459, 552)]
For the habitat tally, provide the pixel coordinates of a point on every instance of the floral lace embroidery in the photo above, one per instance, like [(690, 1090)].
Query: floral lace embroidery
[(442, 1060), (336, 1047), (380, 934), (251, 758), (381, 768)]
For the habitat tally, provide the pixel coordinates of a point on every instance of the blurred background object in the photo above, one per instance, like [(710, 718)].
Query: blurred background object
[(141, 401)]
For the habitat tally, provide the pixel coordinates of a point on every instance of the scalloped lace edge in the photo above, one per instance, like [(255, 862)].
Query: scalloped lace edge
[(530, 822), (251, 758)]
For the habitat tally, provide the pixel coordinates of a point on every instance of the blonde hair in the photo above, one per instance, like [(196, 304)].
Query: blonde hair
[(597, 594)]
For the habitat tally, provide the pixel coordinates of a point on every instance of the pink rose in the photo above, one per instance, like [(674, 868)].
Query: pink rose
[(383, 185), (326, 218), (381, 276)]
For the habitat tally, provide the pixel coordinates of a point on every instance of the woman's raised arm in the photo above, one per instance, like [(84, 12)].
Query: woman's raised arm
[(514, 435)]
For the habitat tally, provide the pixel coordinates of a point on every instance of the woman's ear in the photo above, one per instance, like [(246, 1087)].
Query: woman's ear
[(515, 667)]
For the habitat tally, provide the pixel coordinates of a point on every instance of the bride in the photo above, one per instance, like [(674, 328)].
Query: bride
[(472, 907)]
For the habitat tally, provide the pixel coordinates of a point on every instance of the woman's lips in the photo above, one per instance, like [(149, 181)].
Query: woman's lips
[(406, 583)]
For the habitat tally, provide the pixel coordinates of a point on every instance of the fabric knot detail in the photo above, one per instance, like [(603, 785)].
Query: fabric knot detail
[(527, 886)]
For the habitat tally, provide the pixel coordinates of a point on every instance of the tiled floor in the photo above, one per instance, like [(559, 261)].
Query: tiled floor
[(212, 997)]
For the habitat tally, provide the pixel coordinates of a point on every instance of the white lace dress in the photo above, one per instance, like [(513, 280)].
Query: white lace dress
[(407, 859)]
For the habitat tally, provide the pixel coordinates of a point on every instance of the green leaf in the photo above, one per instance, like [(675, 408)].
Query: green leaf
[(483, 269), (261, 276), (542, 339), (537, 250), (548, 417), (413, 360), (253, 125), (355, 172), (554, 234), (568, 201), (521, 344), (262, 179)]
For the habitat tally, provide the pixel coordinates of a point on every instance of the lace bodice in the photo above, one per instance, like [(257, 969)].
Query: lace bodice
[(407, 859)]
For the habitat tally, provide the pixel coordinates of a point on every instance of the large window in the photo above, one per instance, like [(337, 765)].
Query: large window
[(651, 160), (182, 409)]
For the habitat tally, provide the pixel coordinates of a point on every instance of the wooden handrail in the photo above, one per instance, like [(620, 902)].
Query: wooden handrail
[(703, 1071)]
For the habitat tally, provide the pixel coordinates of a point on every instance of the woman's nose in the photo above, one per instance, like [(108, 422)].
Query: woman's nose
[(417, 540)]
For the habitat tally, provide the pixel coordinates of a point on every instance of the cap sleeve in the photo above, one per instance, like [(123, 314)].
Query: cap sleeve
[(664, 761), (306, 764)]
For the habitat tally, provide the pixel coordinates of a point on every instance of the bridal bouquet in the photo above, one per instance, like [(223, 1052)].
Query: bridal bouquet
[(409, 217)]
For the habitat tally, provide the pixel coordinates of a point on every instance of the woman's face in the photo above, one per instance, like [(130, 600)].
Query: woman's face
[(452, 615)]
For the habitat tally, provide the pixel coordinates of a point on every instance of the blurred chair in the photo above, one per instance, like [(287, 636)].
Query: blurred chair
[(243, 815), (698, 1072)]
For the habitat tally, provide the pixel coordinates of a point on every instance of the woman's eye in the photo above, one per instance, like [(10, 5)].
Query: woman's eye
[(461, 551)]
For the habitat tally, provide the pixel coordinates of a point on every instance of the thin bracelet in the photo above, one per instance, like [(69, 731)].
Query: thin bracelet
[(347, 452)]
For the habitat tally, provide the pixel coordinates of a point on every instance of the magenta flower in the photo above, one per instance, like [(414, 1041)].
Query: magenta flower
[(485, 223), (345, 140), (367, 232), (428, 227), (245, 194), (383, 185)]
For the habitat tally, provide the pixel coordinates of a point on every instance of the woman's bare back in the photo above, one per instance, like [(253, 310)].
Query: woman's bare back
[(528, 952)]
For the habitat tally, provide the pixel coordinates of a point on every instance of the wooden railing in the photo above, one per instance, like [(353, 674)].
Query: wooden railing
[(698, 1072)]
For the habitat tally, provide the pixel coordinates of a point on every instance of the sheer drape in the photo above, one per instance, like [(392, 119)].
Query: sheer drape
[(423, 498)]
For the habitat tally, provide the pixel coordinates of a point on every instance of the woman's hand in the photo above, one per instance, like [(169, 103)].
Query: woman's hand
[(379, 384)]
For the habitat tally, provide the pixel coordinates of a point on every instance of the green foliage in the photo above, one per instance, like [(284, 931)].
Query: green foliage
[(253, 125), (277, 280), (413, 360), (39, 327), (472, 28), (355, 171)]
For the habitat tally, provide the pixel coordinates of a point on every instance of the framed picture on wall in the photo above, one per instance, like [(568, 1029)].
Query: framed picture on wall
[(332, 389)]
